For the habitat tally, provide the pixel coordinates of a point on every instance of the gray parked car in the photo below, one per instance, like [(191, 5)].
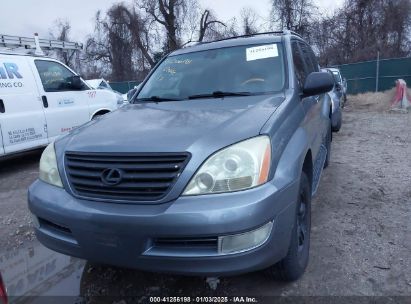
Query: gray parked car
[(340, 85), (209, 171), (337, 102)]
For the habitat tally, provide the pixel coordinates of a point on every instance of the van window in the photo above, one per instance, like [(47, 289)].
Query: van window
[(104, 85), (54, 76)]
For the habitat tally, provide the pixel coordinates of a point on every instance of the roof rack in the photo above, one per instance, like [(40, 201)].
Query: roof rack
[(283, 32), (16, 42)]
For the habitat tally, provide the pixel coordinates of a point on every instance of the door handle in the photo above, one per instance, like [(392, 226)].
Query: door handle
[(45, 102), (2, 107)]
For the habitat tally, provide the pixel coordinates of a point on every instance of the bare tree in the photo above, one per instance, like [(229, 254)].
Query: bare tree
[(112, 44), (61, 31), (169, 14), (208, 22), (130, 39), (249, 21), (363, 28), (140, 32), (122, 42), (295, 15)]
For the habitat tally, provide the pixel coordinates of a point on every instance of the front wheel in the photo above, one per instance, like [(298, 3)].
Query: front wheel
[(294, 264)]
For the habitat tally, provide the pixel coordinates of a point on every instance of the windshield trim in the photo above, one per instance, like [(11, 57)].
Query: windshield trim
[(280, 44)]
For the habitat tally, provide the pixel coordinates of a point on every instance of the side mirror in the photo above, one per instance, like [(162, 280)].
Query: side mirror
[(338, 86), (131, 93), (318, 83), (75, 82)]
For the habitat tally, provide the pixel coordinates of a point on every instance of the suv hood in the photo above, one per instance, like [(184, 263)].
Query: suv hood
[(176, 126)]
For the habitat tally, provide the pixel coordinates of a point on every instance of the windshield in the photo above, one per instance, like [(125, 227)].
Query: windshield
[(255, 69)]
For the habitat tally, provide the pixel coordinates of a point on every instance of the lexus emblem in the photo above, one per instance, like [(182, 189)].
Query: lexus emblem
[(112, 177)]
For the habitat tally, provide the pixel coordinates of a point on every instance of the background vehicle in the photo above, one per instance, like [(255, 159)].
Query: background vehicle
[(41, 98), (337, 100), (341, 85), (210, 171), (102, 84)]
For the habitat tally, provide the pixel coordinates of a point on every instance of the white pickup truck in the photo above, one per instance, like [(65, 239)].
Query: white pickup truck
[(41, 99)]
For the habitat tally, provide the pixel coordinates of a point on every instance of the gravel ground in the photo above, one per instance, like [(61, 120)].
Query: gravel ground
[(16, 175), (361, 230)]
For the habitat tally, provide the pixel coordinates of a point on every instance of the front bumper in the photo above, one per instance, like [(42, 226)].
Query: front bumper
[(124, 234)]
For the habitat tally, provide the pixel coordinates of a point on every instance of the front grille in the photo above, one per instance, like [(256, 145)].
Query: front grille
[(144, 176)]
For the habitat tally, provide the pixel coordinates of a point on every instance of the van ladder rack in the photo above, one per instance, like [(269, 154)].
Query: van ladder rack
[(17, 42)]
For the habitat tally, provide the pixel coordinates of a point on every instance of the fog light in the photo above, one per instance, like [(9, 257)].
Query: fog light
[(245, 241)]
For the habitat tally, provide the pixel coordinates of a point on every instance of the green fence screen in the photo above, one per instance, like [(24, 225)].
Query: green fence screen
[(124, 86), (362, 76)]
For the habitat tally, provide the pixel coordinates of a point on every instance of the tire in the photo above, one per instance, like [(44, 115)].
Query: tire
[(337, 126), (98, 116), (328, 141), (294, 264)]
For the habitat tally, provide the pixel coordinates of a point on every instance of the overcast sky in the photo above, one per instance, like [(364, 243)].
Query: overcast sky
[(25, 17)]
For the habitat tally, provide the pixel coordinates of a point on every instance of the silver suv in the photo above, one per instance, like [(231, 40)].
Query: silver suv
[(208, 171)]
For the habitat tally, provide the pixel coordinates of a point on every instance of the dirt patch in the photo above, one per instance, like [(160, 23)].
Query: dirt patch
[(371, 101)]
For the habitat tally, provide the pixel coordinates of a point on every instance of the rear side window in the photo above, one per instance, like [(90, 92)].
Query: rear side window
[(298, 64), (54, 76)]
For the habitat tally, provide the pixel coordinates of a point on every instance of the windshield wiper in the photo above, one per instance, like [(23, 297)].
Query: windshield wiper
[(157, 99), (219, 94)]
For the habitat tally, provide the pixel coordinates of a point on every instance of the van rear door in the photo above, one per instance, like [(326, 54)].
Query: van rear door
[(22, 120), (65, 107)]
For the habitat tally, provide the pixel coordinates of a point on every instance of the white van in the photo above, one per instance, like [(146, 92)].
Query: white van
[(41, 99), (102, 84)]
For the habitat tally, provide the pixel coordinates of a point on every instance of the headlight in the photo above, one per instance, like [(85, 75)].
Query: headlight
[(238, 167), (49, 172)]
